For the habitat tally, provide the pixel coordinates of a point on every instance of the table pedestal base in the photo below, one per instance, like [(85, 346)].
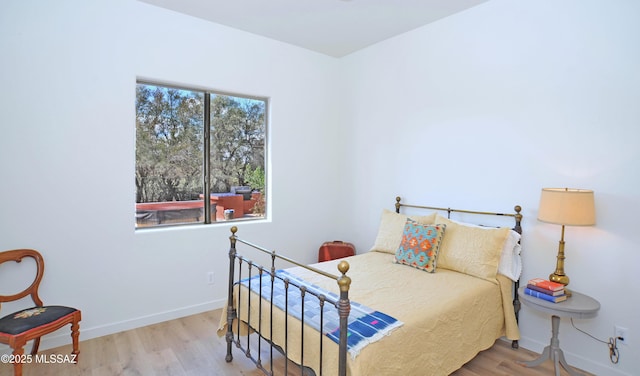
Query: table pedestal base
[(553, 352)]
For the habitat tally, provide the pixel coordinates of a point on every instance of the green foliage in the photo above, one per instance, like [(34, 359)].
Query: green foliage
[(237, 140), (169, 134), (170, 143), (255, 179)]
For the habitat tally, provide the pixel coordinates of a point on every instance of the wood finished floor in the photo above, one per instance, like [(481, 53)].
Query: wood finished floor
[(190, 346)]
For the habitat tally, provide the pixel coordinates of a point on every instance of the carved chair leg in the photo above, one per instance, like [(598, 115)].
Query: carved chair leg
[(75, 334), (36, 345), (18, 352)]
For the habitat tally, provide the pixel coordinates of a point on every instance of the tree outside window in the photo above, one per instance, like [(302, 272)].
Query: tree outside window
[(193, 144)]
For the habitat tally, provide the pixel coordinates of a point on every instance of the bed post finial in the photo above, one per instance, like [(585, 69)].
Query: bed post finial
[(232, 240), (518, 216), (398, 204), (344, 282)]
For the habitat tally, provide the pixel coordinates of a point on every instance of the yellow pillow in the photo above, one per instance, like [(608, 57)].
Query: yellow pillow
[(470, 249), (391, 228)]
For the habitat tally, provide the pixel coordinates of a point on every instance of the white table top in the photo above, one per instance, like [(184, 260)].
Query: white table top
[(578, 306)]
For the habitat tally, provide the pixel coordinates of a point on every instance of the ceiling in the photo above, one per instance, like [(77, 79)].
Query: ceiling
[(332, 27)]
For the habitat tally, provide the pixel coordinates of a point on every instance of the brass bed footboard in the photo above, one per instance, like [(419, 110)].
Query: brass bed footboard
[(234, 313), (517, 228), (248, 321)]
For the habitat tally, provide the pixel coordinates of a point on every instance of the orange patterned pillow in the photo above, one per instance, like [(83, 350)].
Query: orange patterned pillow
[(420, 244)]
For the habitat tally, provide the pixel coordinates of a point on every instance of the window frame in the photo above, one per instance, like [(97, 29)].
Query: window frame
[(209, 217)]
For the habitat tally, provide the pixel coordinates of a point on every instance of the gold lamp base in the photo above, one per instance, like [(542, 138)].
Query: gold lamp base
[(558, 276), (563, 279)]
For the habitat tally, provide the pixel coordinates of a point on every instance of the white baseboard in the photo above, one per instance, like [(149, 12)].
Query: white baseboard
[(60, 338), (575, 360)]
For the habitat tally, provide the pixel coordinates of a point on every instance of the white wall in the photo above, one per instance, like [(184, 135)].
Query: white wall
[(68, 74), (479, 110), (483, 109)]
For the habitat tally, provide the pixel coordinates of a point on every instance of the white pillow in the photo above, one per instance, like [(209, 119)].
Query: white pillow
[(510, 261)]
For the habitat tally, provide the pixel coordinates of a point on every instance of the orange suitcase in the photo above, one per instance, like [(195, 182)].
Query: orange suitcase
[(334, 250)]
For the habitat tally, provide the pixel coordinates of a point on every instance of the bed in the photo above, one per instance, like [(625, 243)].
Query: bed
[(430, 294)]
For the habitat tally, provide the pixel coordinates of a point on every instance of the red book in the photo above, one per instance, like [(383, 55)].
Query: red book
[(546, 284), (545, 291)]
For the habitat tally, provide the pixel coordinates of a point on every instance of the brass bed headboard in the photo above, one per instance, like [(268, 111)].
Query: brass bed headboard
[(517, 216)]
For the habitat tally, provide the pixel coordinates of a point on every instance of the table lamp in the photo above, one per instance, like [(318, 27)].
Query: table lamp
[(566, 207)]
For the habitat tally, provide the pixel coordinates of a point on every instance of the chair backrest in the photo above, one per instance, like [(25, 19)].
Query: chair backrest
[(17, 255)]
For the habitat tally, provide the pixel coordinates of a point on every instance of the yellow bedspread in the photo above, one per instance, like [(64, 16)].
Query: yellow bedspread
[(448, 317)]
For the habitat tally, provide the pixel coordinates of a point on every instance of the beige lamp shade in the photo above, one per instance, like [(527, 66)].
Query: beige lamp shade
[(567, 206)]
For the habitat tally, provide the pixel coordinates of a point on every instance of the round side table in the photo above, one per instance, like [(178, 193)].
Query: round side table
[(577, 306)]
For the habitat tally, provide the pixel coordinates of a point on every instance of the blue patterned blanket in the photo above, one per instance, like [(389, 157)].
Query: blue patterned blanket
[(365, 325)]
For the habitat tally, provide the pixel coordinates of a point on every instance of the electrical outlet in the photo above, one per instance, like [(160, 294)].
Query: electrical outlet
[(210, 278), (620, 332)]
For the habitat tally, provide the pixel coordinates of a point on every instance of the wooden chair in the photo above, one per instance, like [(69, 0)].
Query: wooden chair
[(32, 323)]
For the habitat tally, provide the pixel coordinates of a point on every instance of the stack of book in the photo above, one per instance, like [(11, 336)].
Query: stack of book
[(545, 289)]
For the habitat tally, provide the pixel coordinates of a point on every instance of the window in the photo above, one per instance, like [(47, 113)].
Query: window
[(192, 145)]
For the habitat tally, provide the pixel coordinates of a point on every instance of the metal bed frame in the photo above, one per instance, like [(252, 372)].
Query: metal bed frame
[(342, 304)]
